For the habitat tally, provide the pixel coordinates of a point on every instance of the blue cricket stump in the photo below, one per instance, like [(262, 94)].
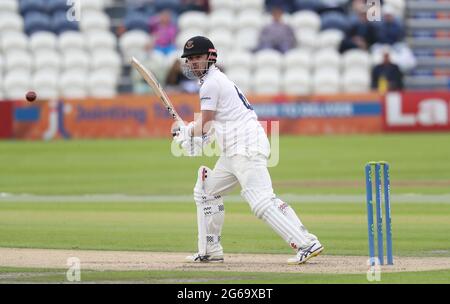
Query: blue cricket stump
[(370, 227), (379, 211), (387, 212)]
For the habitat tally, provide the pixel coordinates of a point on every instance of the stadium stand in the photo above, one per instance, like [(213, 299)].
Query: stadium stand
[(36, 21), (427, 33), (73, 84), (11, 22), (45, 39), (296, 81), (45, 48), (47, 60), (266, 80), (11, 6)]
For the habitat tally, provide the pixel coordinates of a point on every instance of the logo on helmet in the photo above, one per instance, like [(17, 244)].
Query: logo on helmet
[(189, 44)]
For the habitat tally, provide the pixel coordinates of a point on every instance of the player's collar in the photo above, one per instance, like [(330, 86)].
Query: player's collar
[(210, 70)]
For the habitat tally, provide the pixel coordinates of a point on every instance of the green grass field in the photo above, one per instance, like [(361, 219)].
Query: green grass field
[(329, 165)]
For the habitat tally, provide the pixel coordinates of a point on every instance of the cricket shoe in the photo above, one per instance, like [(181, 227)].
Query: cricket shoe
[(207, 258), (306, 253)]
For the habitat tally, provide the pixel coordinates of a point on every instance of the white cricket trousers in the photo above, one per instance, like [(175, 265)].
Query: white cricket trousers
[(253, 176)]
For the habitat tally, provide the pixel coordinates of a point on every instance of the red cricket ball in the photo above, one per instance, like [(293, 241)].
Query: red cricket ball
[(31, 96)]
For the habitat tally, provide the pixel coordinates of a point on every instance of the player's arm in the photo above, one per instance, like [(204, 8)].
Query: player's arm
[(209, 96), (203, 124)]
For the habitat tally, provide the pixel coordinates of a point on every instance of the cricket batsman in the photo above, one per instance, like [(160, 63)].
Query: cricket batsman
[(245, 150)]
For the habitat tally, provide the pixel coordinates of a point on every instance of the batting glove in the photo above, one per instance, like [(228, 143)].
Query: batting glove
[(183, 133)]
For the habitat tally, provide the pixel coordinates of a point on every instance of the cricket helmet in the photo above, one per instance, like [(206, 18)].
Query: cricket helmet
[(200, 45)]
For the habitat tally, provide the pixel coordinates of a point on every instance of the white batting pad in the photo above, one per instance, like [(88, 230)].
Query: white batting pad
[(293, 217), (265, 207), (210, 216)]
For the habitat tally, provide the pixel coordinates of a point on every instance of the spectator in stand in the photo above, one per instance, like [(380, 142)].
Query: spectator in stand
[(164, 31), (390, 30), (333, 5), (277, 35), (362, 33), (286, 5), (178, 82), (137, 4), (195, 5), (387, 76)]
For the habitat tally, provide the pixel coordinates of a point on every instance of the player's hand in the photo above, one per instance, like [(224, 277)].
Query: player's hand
[(183, 133), (193, 146)]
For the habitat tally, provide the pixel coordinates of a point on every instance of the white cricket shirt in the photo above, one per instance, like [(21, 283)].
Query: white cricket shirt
[(236, 125)]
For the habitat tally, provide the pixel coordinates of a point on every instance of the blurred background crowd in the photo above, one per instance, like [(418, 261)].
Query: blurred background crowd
[(299, 47)]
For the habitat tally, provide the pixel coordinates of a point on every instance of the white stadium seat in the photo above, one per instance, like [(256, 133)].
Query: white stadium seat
[(327, 58), (193, 19), (330, 38), (107, 60), (91, 5), (171, 57), (102, 85), (72, 84), (101, 40), (43, 41), (240, 59), (356, 80), (11, 41), (222, 19), (222, 39), (9, 6), (221, 4), (249, 18), (222, 59), (246, 39), (71, 40), (266, 81), (47, 61), (326, 81), (183, 36), (267, 18), (158, 63), (133, 43), (16, 83), (11, 22), (94, 20), (356, 58), (268, 58), (241, 77), (76, 59), (306, 38), (251, 4), (297, 58), (305, 19), (18, 60), (45, 84), (296, 81)]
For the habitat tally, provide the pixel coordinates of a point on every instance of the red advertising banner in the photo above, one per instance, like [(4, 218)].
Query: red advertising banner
[(6, 119), (322, 114), (127, 116), (416, 111), (132, 116)]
